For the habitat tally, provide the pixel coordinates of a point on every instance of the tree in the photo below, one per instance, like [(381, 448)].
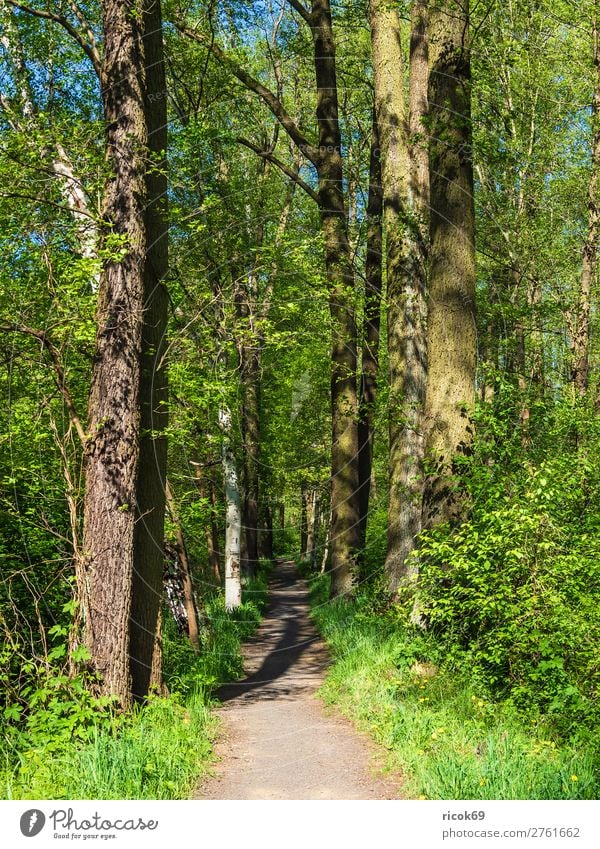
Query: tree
[(120, 578), (581, 335), (405, 190), (451, 330)]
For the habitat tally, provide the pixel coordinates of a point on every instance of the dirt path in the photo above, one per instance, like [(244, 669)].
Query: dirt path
[(277, 740)]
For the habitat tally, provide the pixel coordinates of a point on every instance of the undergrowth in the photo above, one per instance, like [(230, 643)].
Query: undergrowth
[(59, 743), (443, 732)]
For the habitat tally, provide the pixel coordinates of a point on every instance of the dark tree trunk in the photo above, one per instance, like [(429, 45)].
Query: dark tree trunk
[(121, 577), (371, 324), (344, 402), (250, 374), (149, 530)]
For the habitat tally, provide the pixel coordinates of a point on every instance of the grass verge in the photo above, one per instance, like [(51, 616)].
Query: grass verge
[(158, 751), (448, 740)]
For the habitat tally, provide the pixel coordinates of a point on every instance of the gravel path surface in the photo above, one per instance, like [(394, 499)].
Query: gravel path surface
[(277, 741)]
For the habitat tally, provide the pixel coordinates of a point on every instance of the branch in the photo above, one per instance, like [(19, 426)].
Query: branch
[(289, 172), (267, 96), (58, 372), (302, 11), (90, 50)]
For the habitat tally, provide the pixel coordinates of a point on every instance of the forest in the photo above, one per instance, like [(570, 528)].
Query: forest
[(299, 305)]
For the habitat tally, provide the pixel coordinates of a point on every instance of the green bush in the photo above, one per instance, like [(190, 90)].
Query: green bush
[(512, 592), (445, 738)]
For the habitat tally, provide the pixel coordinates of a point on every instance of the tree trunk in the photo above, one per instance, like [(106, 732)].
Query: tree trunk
[(344, 402), (451, 323), (303, 520), (250, 376), (233, 527), (150, 504), (311, 524), (407, 335), (371, 323), (581, 335), (120, 486), (187, 589), (405, 193)]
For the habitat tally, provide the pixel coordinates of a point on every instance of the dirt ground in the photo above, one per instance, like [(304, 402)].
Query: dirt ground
[(277, 740)]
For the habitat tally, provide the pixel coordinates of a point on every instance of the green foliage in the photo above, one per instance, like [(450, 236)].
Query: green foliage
[(442, 733), (219, 660), (157, 752), (511, 592), (60, 742)]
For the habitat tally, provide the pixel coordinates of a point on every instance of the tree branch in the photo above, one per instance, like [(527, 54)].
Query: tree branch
[(59, 372), (302, 11), (289, 125), (90, 50), (289, 172)]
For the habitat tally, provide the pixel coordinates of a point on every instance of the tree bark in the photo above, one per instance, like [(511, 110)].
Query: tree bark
[(581, 336), (371, 329), (451, 323), (344, 402), (407, 334), (233, 526), (405, 192), (180, 548), (150, 502), (122, 474)]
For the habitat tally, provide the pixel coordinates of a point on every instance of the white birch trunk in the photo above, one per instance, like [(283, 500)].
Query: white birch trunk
[(233, 524)]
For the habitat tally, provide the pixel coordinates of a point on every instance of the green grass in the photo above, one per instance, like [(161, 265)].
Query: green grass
[(158, 751), (448, 740)]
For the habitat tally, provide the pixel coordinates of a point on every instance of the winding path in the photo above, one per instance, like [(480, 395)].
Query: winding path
[(277, 741)]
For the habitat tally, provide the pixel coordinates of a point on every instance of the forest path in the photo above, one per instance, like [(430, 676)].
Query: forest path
[(277, 741)]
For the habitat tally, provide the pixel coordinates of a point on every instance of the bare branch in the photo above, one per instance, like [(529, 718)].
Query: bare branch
[(59, 372), (302, 11), (289, 172), (289, 125)]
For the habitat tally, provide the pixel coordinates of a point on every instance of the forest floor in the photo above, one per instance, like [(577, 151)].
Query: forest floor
[(277, 740)]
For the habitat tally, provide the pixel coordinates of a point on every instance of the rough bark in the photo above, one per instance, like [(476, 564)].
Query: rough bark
[(344, 401), (581, 334), (150, 502), (405, 192), (119, 589), (451, 322), (407, 335), (371, 329), (303, 520)]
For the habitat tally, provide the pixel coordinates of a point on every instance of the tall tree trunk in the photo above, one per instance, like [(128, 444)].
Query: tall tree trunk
[(250, 377), (407, 334), (117, 491), (233, 526), (371, 325), (150, 502), (581, 334), (405, 193), (344, 402), (451, 323)]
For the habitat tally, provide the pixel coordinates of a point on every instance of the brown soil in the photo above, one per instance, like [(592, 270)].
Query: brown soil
[(277, 741)]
